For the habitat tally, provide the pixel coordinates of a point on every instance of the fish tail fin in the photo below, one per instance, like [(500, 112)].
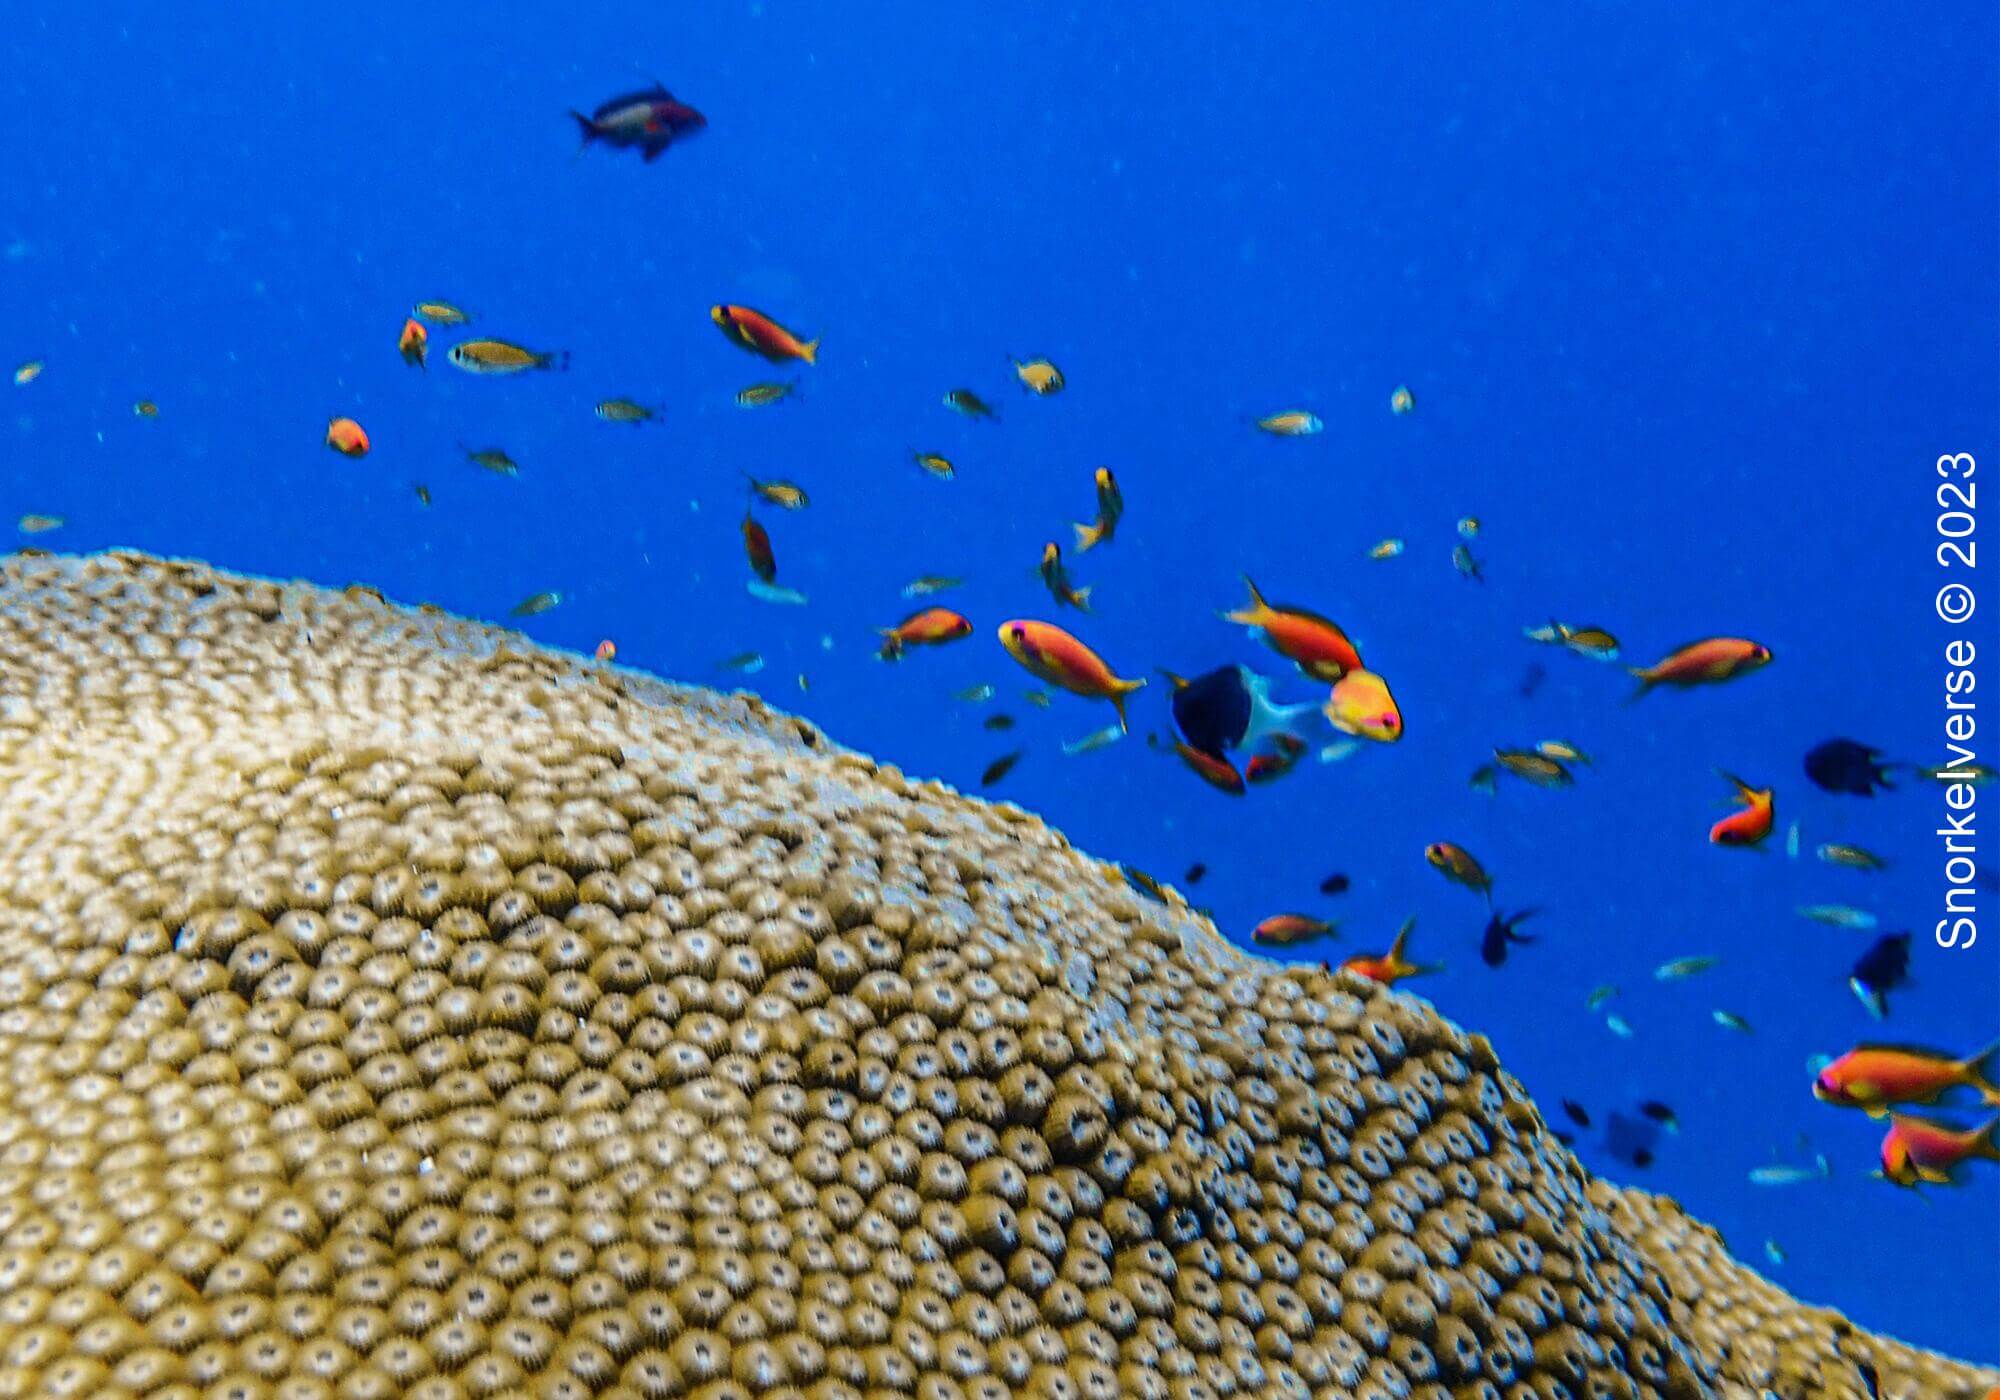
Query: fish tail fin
[(1979, 1072), (1178, 682), (555, 359), (1255, 613), (1422, 969), (1646, 682), (1744, 791), (1087, 536), (809, 352), (1400, 947), (1119, 690), (586, 127), (1079, 598)]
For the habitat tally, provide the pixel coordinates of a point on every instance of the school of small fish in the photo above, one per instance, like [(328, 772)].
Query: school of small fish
[(1232, 735)]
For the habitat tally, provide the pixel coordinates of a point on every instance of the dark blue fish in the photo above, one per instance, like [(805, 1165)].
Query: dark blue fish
[(1212, 711), (650, 121), (1879, 971), (1501, 930), (1532, 678), (1846, 765)]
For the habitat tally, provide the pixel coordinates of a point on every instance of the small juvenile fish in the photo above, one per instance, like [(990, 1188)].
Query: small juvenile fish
[(931, 626), (1707, 662), (29, 372), (1784, 1174), (1291, 422), (414, 343), (786, 495), (1041, 699), (1661, 1114), (757, 395), (1039, 376), (970, 404), (1194, 874), (440, 313), (607, 650), (1457, 865), (1730, 1021), (40, 524), (146, 408), (939, 467), (1562, 750), (1618, 1026), (998, 724), (491, 459), (974, 694), (1385, 549), (1773, 1253), (1335, 883), (1000, 767), (1283, 930), (536, 603), (1467, 566), (1096, 739), (773, 593), (625, 411), (1593, 642), (1838, 915), (931, 583), (1977, 774), (1110, 510), (1145, 884), (1056, 576), (346, 437), (760, 335), (1468, 528), (504, 357), (1679, 969), (748, 662), (1402, 402), (1853, 857), (1792, 841), (1533, 767), (1485, 779), (757, 548), (1578, 1114), (423, 492), (1599, 995)]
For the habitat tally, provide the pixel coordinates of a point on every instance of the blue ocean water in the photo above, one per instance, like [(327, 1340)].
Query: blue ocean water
[(1690, 298)]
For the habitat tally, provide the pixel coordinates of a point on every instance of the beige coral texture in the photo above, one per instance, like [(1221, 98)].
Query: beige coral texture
[(389, 1007)]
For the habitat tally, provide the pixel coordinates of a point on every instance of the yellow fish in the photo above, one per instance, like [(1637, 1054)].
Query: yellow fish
[(504, 357), (1292, 422), (1039, 376), (440, 313)]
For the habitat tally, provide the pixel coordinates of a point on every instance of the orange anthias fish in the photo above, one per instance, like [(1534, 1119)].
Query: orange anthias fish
[(926, 627), (607, 650), (1317, 645), (347, 437), (1110, 510), (1362, 705), (1393, 966), (760, 335), (1060, 659), (1283, 930), (1750, 826), (1877, 1077), (1213, 769), (1917, 1150), (1702, 663), (757, 545), (1456, 864), (414, 343)]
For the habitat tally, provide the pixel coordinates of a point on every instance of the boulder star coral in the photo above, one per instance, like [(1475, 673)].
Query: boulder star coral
[(391, 1007)]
